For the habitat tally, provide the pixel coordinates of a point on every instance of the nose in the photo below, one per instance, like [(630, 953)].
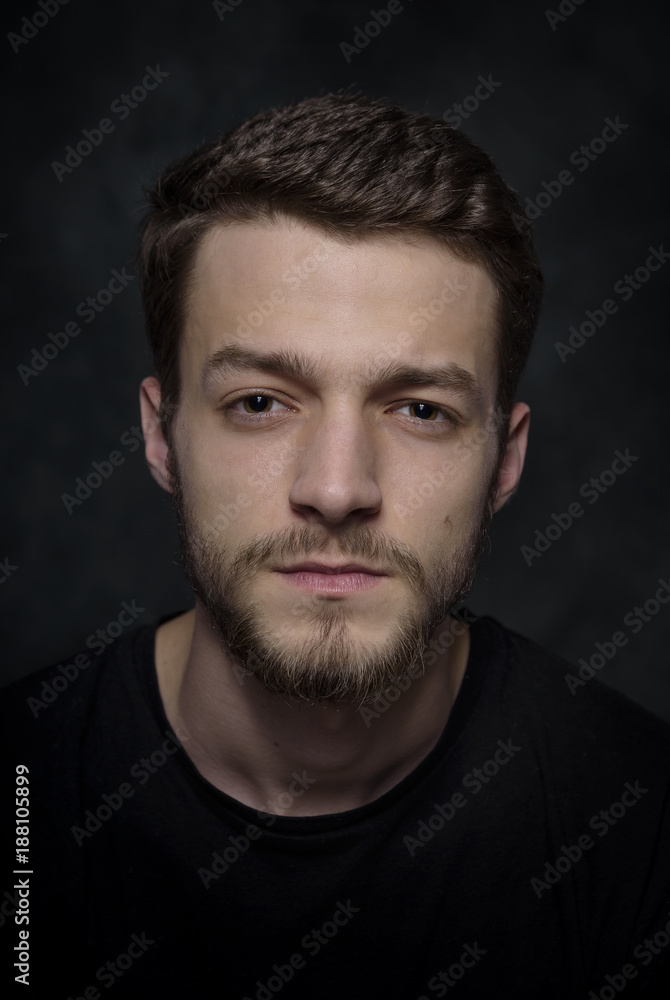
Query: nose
[(336, 478)]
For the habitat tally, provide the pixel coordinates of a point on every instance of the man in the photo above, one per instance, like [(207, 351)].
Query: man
[(328, 778)]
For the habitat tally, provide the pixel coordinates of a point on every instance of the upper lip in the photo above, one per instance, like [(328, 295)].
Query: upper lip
[(315, 567)]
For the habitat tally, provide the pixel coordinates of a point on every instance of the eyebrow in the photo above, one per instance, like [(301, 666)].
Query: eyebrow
[(235, 358)]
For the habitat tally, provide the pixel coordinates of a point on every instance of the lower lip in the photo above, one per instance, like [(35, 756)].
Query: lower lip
[(333, 583)]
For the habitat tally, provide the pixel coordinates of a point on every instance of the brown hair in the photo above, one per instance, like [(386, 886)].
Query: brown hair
[(355, 167)]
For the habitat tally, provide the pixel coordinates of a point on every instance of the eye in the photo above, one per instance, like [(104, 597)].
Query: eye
[(425, 412), (257, 404), (254, 405)]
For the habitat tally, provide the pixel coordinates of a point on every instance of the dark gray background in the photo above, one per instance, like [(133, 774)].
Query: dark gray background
[(62, 240)]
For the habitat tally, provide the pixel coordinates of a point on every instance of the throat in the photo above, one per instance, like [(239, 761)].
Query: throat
[(257, 748)]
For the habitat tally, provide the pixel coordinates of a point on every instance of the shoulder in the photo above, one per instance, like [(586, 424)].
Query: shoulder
[(582, 729), (580, 690), (562, 688), (47, 708)]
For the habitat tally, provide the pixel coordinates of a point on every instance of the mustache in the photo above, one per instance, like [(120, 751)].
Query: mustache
[(307, 540)]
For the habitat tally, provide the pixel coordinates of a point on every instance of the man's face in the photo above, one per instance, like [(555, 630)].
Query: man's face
[(336, 411)]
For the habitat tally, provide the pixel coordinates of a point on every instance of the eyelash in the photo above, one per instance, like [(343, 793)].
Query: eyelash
[(450, 420)]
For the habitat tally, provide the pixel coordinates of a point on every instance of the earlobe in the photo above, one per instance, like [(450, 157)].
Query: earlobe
[(155, 446), (511, 466)]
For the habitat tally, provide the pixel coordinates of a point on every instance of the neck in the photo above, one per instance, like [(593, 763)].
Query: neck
[(286, 758)]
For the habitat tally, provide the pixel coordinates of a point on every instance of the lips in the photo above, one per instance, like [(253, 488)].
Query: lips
[(330, 581), (314, 567)]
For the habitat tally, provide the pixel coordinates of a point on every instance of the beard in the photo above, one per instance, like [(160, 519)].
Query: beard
[(328, 665)]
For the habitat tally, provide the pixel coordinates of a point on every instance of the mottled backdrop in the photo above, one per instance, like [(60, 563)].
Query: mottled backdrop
[(533, 84)]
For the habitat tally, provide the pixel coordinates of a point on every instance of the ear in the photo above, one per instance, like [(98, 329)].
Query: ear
[(155, 446), (511, 466)]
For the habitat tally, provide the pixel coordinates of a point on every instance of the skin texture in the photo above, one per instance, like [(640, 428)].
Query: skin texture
[(339, 457)]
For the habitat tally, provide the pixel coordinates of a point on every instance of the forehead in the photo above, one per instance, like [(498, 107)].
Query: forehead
[(289, 285)]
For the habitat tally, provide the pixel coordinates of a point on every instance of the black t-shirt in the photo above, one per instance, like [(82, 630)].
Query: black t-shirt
[(527, 856)]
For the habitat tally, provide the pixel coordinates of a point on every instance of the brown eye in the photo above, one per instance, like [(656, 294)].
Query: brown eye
[(424, 411), (257, 404)]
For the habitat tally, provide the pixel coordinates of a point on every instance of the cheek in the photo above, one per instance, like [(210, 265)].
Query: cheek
[(448, 495), (261, 473), (237, 488), (214, 491), (224, 497)]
